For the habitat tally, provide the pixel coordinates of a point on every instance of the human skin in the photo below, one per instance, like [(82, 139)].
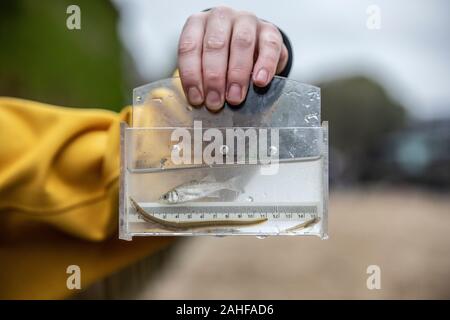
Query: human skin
[(220, 50)]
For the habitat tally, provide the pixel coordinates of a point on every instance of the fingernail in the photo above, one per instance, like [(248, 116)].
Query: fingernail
[(235, 93), (195, 96), (262, 76), (213, 99)]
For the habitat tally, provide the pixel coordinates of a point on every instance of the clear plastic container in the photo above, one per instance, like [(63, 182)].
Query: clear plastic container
[(257, 169)]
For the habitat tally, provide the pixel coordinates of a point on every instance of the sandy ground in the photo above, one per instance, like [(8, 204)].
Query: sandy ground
[(405, 233)]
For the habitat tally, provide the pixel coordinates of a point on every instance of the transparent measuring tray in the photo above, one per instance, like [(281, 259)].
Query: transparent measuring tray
[(259, 169)]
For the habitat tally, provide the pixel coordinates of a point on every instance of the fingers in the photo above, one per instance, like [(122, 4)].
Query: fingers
[(270, 44), (220, 49), (215, 56), (284, 57), (190, 58), (243, 41)]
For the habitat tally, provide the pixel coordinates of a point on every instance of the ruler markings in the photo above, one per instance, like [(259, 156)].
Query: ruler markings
[(233, 212)]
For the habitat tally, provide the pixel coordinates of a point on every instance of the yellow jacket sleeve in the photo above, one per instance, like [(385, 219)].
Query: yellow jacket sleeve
[(60, 165), (59, 171)]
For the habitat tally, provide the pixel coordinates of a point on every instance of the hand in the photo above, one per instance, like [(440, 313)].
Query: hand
[(220, 49)]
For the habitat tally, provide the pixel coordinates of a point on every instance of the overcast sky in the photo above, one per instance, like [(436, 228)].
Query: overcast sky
[(409, 55)]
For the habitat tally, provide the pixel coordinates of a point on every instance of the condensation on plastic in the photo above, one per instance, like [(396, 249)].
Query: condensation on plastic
[(299, 190)]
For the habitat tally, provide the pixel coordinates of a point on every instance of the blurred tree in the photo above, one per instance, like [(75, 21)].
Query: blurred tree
[(41, 59), (359, 111), (360, 114)]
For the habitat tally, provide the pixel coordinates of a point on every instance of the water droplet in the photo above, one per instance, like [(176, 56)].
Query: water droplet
[(250, 199), (273, 150), (138, 99), (311, 117), (313, 95), (224, 149)]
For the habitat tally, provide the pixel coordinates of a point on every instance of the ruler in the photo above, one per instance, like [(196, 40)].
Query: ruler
[(203, 211)]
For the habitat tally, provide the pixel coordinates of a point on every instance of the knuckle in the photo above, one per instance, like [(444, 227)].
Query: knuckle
[(187, 46), (214, 42), (270, 27), (272, 42), (247, 14), (222, 10), (194, 19), (244, 39), (214, 76), (197, 16)]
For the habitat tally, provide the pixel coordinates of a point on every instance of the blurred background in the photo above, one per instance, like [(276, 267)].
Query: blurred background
[(384, 71)]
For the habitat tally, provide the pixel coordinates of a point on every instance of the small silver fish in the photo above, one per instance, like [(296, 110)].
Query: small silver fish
[(193, 190)]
